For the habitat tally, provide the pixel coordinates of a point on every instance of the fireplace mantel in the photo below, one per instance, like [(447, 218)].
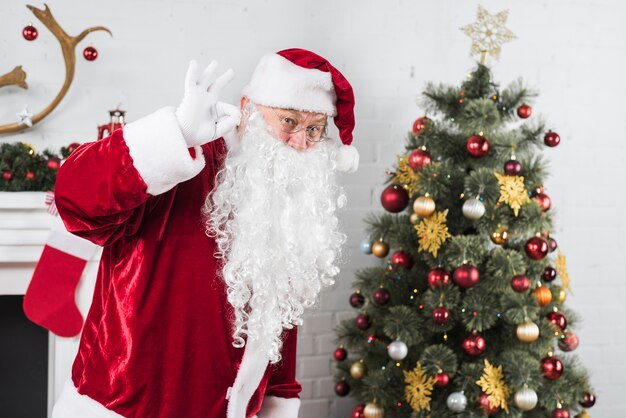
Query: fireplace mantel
[(24, 227)]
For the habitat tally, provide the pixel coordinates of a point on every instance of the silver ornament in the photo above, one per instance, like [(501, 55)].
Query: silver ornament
[(526, 399), (457, 402), (473, 209), (397, 350), (366, 246)]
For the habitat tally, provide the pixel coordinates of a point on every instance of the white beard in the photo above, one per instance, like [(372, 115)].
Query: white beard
[(272, 214)]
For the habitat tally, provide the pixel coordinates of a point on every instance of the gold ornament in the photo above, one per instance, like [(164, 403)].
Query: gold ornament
[(419, 387), (493, 384), (543, 295), (561, 267), (560, 296), (405, 175), (380, 249), (424, 206), (512, 191), (500, 236), (583, 414), (527, 332), (372, 410), (358, 370), (488, 33), (433, 232), (414, 218)]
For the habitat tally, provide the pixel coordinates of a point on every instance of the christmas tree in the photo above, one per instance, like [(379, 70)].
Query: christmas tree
[(467, 317)]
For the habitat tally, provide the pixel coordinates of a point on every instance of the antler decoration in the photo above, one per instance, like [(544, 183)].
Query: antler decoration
[(68, 46)]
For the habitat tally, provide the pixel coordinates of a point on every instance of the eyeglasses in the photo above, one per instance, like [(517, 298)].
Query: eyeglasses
[(313, 133)]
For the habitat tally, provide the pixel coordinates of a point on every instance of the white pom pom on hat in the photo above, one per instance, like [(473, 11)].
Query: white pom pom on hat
[(302, 80)]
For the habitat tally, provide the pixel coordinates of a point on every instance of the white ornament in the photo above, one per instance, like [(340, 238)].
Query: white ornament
[(397, 350), (526, 399), (457, 402), (527, 332), (25, 116), (473, 209)]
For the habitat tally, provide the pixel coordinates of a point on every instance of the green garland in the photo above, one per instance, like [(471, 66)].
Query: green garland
[(23, 169)]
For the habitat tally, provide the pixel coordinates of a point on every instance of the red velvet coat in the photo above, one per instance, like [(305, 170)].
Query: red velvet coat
[(157, 339)]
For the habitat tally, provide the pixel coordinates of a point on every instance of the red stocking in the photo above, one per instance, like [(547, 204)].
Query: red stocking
[(50, 297)]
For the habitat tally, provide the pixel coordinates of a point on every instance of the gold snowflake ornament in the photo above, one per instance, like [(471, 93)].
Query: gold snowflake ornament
[(405, 175), (493, 384), (433, 232), (561, 267), (488, 33), (418, 388), (512, 191)]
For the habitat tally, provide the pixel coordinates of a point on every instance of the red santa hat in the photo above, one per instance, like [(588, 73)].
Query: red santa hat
[(302, 80)]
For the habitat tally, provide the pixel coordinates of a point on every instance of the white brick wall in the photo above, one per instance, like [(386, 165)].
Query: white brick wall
[(574, 52)]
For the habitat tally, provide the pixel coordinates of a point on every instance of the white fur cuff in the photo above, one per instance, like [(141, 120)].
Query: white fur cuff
[(159, 151), (347, 158), (275, 407)]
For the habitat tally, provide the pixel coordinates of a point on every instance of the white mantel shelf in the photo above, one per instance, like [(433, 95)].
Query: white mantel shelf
[(24, 228)]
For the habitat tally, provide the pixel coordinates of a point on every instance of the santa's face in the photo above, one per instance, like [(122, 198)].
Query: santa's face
[(300, 130), (273, 216)]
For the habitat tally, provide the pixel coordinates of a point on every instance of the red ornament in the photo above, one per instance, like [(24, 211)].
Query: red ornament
[(466, 276), (400, 258), (420, 124), (560, 413), (394, 198), (362, 321), (342, 388), (483, 401), (54, 163), (543, 200), (358, 412), (549, 274), (90, 53), (30, 32), (588, 401), (552, 367), (474, 345), (568, 341), (512, 167), (442, 380), (419, 158), (524, 111), (71, 147), (520, 283), (552, 139), (438, 278), (30, 175), (7, 175), (381, 296), (356, 300), (441, 316), (558, 319), (536, 248), (340, 354), (477, 146), (553, 245)]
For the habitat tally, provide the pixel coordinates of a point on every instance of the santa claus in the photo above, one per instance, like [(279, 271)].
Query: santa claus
[(219, 228)]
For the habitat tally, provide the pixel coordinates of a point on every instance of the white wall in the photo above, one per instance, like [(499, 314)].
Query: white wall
[(572, 51)]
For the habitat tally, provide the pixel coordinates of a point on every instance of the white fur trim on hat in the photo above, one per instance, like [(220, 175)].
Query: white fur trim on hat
[(159, 151), (346, 158), (275, 407), (72, 404), (277, 82)]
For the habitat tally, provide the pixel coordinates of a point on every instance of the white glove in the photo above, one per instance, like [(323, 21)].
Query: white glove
[(201, 117)]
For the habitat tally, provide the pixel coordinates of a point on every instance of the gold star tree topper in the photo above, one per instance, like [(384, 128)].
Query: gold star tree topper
[(493, 384), (419, 388), (488, 33)]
